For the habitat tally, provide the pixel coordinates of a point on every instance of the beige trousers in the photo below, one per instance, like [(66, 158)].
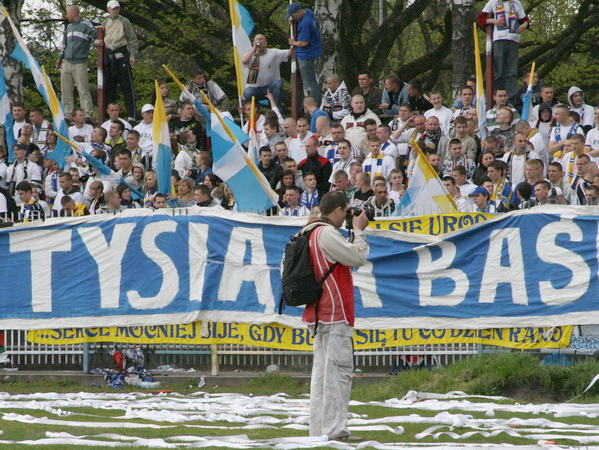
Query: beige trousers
[(72, 75)]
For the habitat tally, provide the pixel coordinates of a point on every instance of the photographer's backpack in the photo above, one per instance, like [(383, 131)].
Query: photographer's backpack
[(299, 284)]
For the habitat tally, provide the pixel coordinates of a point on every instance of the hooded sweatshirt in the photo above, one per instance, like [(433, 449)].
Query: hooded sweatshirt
[(586, 112), (336, 104)]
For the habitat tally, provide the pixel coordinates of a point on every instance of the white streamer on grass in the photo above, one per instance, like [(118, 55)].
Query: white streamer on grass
[(279, 412)]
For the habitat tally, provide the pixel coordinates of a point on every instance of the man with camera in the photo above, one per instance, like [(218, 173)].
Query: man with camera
[(333, 364), (264, 70)]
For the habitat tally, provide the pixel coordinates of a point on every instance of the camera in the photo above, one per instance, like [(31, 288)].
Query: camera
[(257, 43), (553, 196), (356, 211)]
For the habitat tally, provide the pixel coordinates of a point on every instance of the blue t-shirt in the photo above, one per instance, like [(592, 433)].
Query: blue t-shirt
[(317, 113), (308, 31)]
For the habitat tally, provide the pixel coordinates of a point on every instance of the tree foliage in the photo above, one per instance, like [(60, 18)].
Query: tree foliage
[(413, 38)]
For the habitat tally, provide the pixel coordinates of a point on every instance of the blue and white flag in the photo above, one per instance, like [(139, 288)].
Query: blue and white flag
[(242, 26), (44, 85), (233, 165), (6, 118)]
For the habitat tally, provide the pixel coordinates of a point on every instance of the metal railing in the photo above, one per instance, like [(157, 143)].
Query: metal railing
[(227, 357)]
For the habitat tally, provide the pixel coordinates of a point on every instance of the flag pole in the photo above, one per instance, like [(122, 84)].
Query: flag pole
[(61, 137), (238, 69), (527, 97), (294, 78), (489, 65), (75, 147), (100, 64), (172, 75)]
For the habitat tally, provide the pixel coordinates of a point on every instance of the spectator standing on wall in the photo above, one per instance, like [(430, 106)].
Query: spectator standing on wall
[(308, 47)]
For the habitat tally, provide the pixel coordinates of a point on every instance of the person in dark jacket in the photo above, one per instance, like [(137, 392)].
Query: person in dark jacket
[(318, 165)]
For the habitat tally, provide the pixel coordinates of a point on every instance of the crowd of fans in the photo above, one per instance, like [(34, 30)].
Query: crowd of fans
[(354, 140)]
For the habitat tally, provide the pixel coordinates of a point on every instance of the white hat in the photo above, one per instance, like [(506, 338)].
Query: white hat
[(113, 4), (147, 107)]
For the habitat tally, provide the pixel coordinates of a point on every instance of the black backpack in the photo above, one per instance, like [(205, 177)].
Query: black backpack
[(300, 286)]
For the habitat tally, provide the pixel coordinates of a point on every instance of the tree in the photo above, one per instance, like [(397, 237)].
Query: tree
[(12, 68), (462, 16), (426, 39)]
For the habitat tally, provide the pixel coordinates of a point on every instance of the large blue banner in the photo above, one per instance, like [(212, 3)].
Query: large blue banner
[(530, 268)]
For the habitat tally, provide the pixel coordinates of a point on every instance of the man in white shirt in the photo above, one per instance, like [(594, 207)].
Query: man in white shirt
[(331, 152), (564, 129), (22, 169), (41, 127), (114, 112), (442, 113), (79, 127), (18, 114), (569, 160), (463, 204), (535, 139), (383, 132), (297, 145), (516, 159), (377, 163), (344, 163), (459, 174), (353, 123), (509, 20), (264, 74), (66, 188), (144, 128), (292, 206)]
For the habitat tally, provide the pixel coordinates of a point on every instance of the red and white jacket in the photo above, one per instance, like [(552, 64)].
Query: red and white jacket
[(328, 246)]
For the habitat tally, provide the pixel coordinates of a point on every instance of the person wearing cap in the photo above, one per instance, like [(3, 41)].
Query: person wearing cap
[(120, 52), (72, 61), (22, 169), (264, 70), (481, 199), (144, 128), (308, 47)]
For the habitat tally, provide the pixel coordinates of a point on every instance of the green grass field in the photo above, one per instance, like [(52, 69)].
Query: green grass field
[(257, 417)]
